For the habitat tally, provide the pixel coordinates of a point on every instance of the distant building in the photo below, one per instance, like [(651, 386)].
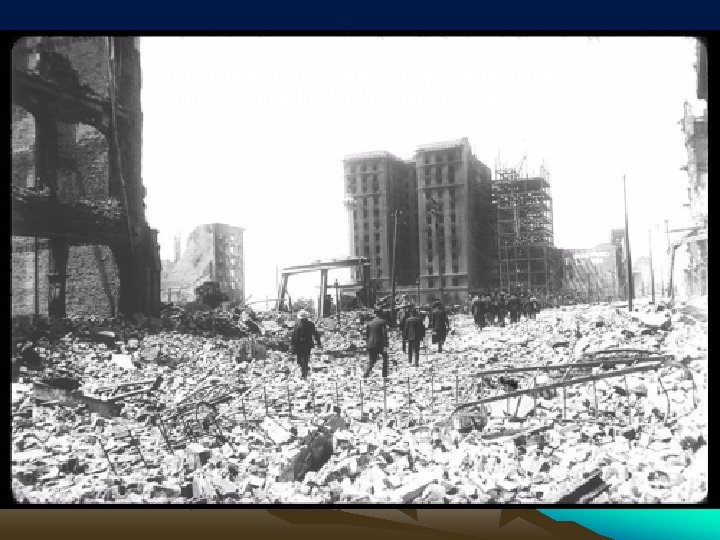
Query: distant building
[(592, 273), (445, 191), (214, 252), (376, 184), (452, 180)]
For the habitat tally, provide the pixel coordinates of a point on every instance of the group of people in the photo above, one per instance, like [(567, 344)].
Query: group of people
[(494, 308), (412, 327)]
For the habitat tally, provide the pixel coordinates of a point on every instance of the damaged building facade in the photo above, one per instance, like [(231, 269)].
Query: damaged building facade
[(695, 128), (591, 273), (81, 244), (214, 252)]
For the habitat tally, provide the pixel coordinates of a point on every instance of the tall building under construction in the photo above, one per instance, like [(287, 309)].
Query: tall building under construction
[(526, 255)]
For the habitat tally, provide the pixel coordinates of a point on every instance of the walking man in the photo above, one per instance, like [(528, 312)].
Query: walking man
[(376, 338), (302, 341), (414, 333), (403, 320), (478, 312), (440, 324)]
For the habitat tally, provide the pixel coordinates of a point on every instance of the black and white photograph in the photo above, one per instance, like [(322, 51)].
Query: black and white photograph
[(407, 270)]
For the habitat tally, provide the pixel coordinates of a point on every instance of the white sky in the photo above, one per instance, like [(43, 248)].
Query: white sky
[(251, 131)]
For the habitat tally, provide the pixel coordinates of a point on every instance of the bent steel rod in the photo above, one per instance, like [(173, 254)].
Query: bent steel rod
[(561, 384)]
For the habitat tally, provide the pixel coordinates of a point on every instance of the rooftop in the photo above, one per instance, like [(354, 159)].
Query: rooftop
[(442, 145), (370, 155)]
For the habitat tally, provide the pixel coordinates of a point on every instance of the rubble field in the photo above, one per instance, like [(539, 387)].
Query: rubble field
[(642, 437)]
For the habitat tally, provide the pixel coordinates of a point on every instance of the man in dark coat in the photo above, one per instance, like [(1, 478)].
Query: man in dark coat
[(478, 312), (414, 333), (532, 307), (405, 314), (376, 338), (501, 309), (487, 308), (513, 306), (302, 341), (440, 324)]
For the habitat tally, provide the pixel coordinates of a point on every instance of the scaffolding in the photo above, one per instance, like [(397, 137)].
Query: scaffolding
[(526, 256)]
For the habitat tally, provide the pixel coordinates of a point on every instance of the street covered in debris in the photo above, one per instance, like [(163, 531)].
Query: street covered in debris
[(171, 411)]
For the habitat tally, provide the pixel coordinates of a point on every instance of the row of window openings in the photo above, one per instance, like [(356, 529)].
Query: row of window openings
[(366, 226), (364, 189), (364, 167), (441, 218), (376, 213), (438, 176), (455, 282)]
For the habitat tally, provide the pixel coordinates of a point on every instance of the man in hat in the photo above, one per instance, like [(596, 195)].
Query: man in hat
[(440, 324), (414, 333), (302, 341), (376, 338)]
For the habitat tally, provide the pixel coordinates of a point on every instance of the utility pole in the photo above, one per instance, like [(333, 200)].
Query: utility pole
[(652, 273), (418, 291), (337, 301), (669, 261), (627, 249), (37, 281), (435, 211), (392, 276)]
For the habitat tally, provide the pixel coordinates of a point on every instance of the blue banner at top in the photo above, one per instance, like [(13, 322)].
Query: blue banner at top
[(352, 17)]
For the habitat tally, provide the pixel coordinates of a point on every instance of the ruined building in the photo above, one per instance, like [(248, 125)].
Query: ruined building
[(527, 257), (695, 128), (214, 252), (591, 273), (81, 244), (617, 239)]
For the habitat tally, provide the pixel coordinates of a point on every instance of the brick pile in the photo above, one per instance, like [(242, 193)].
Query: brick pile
[(58, 452)]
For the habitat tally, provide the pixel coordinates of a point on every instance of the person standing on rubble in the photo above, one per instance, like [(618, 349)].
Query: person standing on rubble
[(532, 307), (514, 308), (406, 313), (501, 309), (440, 324), (376, 338), (478, 312), (302, 341), (415, 333)]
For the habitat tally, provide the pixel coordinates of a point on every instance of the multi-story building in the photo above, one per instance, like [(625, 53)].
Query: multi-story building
[(527, 257), (376, 185), (214, 252), (454, 218)]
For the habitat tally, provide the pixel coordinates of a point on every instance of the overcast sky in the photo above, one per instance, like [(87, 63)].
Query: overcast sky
[(251, 131)]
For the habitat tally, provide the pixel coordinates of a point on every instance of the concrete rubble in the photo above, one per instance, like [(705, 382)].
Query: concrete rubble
[(267, 448)]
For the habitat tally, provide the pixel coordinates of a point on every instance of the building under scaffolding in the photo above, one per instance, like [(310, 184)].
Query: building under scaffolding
[(526, 256)]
